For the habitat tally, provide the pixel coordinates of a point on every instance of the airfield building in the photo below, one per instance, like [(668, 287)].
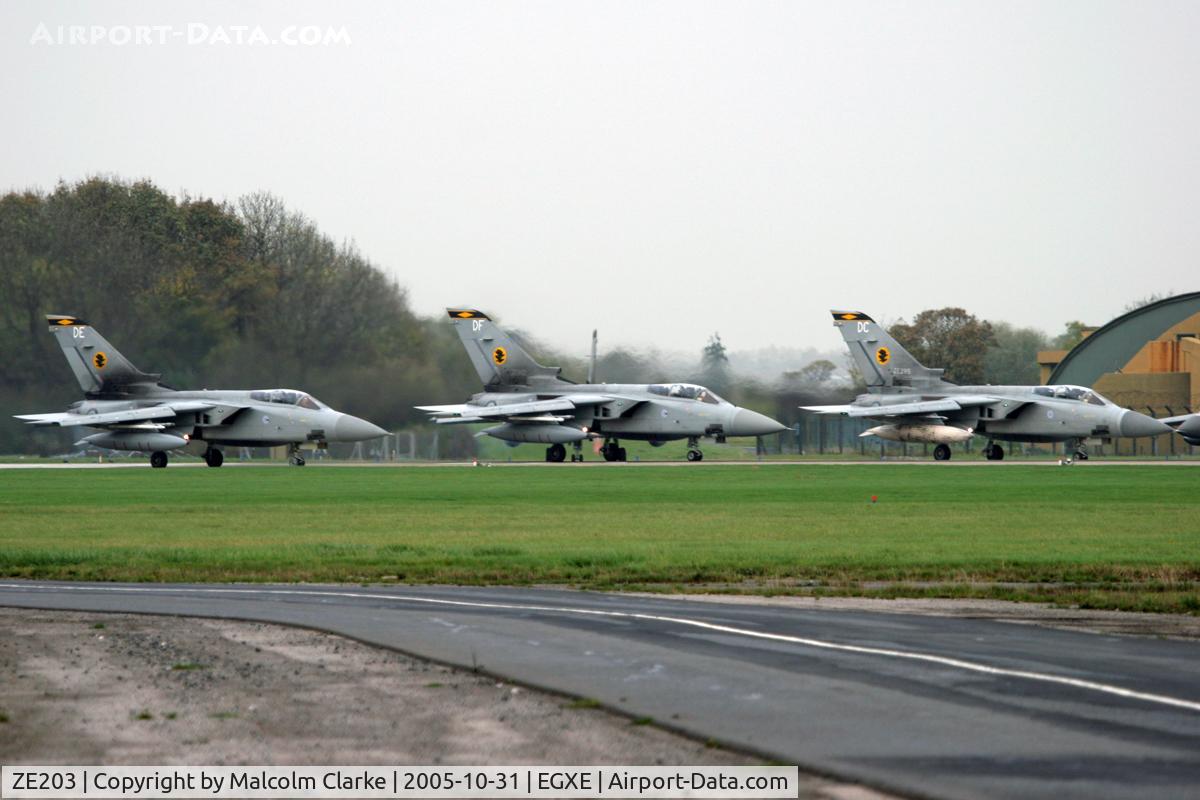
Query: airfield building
[(1147, 360)]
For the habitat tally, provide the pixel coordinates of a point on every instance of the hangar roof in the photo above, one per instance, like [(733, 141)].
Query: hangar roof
[(1110, 348)]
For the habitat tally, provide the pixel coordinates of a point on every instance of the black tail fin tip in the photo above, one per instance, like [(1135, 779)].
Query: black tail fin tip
[(465, 313), (850, 316), (62, 320)]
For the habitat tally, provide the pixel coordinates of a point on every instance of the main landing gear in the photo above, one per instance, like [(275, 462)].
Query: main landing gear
[(612, 451), (941, 452), (993, 452), (214, 457), (294, 457), (1079, 452), (693, 453), (556, 453), (158, 459)]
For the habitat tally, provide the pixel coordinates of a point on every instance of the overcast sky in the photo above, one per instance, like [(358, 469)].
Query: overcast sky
[(660, 170)]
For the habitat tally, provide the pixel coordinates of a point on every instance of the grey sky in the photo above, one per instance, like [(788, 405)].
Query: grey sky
[(664, 170)]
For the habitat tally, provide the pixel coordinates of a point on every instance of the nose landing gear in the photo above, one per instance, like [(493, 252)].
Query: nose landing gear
[(1077, 449), (294, 457), (693, 453)]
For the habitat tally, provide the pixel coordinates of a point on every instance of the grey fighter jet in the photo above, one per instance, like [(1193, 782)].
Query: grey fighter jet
[(914, 404), (532, 403), (135, 412)]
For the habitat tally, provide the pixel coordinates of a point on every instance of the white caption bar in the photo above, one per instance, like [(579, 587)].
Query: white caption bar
[(390, 781)]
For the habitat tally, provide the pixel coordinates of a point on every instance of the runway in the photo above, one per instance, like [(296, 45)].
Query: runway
[(597, 464), (924, 705)]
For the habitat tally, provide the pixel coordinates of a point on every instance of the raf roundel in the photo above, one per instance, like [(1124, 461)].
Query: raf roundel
[(883, 355), (499, 355), (100, 360)]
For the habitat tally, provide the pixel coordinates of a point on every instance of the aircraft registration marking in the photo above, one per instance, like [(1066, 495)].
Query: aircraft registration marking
[(911, 655)]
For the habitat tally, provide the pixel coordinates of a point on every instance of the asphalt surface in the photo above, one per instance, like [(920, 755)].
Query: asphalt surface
[(924, 705)]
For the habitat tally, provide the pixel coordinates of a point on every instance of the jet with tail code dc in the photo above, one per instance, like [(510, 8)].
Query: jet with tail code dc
[(913, 403)]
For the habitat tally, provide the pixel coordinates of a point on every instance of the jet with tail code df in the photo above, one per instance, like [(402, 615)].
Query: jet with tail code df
[(535, 404)]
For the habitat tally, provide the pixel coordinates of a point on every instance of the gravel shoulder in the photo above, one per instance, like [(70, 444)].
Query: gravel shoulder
[(84, 688)]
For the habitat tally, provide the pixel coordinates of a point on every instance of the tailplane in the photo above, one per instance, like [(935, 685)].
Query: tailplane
[(883, 362), (496, 356), (98, 366)]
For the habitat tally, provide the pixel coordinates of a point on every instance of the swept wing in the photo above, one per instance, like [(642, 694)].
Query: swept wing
[(551, 411), (163, 411), (917, 408)]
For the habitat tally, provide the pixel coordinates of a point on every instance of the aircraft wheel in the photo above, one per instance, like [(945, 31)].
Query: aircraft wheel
[(296, 460), (1081, 455), (695, 455), (556, 453), (214, 457), (621, 454), (158, 459), (941, 452), (995, 453)]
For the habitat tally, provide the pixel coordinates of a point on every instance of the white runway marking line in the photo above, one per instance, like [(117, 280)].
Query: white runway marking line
[(956, 663)]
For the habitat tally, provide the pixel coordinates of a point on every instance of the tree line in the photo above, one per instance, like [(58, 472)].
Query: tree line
[(253, 294)]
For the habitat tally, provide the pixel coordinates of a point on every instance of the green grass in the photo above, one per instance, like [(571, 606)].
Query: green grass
[(583, 703), (1113, 536)]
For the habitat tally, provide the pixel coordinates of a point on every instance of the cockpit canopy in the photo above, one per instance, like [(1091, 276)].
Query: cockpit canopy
[(685, 391), (288, 397), (1072, 393)]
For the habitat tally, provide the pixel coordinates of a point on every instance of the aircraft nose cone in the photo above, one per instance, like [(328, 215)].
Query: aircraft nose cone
[(353, 429), (750, 423), (1134, 423)]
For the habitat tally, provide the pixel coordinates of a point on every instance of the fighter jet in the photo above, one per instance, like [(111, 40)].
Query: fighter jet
[(1187, 426), (134, 411), (916, 405), (533, 403)]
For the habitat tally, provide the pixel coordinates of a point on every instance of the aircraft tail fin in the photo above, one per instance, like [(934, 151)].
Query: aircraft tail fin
[(98, 366), (883, 362), (496, 356)]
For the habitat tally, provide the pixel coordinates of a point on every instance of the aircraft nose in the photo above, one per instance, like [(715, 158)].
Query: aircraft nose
[(353, 429), (750, 423), (1134, 423)]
